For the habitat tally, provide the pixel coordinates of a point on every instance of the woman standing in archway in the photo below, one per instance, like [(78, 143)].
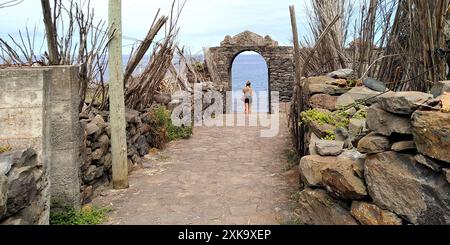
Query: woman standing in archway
[(248, 97)]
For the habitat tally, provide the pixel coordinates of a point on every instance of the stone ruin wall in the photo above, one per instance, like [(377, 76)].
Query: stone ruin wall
[(279, 59), (38, 120), (391, 166)]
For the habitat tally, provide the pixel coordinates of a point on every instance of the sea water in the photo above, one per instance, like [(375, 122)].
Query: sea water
[(253, 68)]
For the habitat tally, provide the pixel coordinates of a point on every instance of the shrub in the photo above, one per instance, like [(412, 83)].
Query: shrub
[(163, 129), (87, 216)]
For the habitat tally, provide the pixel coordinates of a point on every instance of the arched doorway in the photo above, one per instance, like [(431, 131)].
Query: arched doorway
[(250, 66)]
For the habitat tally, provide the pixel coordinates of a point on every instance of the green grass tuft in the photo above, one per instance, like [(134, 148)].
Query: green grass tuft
[(87, 216)]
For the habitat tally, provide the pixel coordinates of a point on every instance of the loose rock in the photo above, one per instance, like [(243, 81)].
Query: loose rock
[(311, 166), (323, 101), (340, 180), (329, 147), (375, 84), (403, 103), (21, 190), (92, 128), (386, 123), (132, 116), (90, 173), (373, 143), (370, 214), (356, 126), (439, 88), (396, 183), (342, 74), (357, 94), (357, 159), (318, 208), (404, 146)]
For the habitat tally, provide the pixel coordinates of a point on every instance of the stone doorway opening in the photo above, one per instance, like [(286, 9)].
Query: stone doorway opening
[(250, 66)]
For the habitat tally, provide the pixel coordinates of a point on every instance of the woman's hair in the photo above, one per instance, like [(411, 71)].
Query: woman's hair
[(248, 84)]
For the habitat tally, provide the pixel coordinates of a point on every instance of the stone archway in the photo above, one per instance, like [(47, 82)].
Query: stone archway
[(279, 59)]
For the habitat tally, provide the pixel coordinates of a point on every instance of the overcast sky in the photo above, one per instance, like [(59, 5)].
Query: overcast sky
[(203, 22)]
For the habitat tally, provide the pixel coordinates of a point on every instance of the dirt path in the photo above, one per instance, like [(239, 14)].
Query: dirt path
[(227, 176)]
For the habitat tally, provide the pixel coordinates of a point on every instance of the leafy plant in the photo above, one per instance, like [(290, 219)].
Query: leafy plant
[(175, 133), (86, 216), (339, 119), (163, 129)]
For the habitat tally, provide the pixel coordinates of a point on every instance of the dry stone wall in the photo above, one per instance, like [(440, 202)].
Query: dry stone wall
[(387, 163)]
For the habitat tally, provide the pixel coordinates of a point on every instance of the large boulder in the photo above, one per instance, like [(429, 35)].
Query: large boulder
[(323, 101), (397, 183), (385, 123), (403, 103), (342, 74), (432, 134), (373, 143), (374, 84), (310, 169), (316, 207), (3, 195), (340, 180), (355, 95), (329, 147), (440, 87), (22, 190), (370, 214)]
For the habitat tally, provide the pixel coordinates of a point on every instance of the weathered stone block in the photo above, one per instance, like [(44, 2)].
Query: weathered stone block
[(22, 190), (370, 214), (323, 101), (404, 146), (340, 180), (386, 123), (397, 183), (357, 94), (432, 134), (311, 166), (440, 87), (329, 147), (403, 103), (316, 207), (374, 143)]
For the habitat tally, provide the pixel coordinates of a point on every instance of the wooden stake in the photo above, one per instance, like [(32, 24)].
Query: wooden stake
[(51, 33), (296, 44), (117, 102)]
